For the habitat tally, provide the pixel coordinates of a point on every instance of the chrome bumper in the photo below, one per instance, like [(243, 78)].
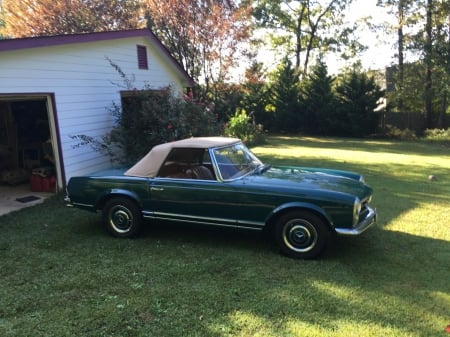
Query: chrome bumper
[(360, 227)]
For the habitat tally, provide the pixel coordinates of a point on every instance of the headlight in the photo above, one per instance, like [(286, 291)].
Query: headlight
[(356, 210)]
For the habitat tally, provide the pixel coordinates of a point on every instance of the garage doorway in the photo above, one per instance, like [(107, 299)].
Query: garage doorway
[(29, 159)]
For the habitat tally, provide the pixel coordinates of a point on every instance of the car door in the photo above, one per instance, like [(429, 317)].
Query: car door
[(199, 201)]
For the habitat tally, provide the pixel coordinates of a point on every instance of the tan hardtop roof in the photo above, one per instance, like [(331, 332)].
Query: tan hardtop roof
[(150, 164)]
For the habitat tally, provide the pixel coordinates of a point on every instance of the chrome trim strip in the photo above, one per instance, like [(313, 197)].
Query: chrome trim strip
[(82, 205), (221, 222), (362, 226), (180, 216)]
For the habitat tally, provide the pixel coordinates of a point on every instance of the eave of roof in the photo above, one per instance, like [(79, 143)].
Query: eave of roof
[(56, 40)]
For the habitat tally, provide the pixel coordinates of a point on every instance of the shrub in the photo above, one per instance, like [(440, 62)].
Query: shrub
[(150, 117), (438, 135), (396, 133), (242, 126)]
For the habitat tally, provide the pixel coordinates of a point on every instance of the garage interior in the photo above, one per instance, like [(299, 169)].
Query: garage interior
[(27, 168)]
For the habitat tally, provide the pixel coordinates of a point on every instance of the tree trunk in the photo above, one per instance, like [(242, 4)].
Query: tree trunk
[(401, 15), (428, 64)]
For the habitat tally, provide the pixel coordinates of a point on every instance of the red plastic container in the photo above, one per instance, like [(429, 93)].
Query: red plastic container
[(36, 183), (49, 184)]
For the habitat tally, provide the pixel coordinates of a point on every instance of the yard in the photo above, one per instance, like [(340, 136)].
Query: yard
[(62, 275)]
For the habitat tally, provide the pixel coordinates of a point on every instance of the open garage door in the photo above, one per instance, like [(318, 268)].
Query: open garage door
[(29, 143)]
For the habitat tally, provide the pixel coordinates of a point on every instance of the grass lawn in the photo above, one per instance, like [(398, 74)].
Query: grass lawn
[(62, 275)]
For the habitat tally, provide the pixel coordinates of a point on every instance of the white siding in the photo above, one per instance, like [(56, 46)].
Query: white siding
[(84, 85)]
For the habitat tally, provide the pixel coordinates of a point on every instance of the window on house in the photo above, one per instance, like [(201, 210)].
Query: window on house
[(142, 57)]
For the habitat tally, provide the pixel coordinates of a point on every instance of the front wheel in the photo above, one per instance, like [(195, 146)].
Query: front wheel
[(122, 217), (301, 234)]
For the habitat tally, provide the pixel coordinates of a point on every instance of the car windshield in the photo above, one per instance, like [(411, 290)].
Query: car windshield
[(235, 161)]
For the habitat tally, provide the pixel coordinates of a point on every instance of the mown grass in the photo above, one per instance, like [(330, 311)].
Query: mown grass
[(62, 275)]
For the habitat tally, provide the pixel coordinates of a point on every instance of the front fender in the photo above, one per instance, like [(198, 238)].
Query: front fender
[(299, 205)]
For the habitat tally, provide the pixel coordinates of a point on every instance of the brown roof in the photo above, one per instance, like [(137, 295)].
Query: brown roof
[(150, 164)]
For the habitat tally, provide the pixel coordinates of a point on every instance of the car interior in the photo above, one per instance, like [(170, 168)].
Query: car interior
[(187, 163)]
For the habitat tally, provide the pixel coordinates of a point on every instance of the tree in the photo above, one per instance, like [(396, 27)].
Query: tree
[(205, 36), (321, 115), (256, 94), (442, 59), (428, 40), (428, 58), (304, 26), (285, 97), (402, 9), (358, 96), (27, 18)]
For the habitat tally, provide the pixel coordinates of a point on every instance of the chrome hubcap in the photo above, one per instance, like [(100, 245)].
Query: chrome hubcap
[(121, 219), (299, 235)]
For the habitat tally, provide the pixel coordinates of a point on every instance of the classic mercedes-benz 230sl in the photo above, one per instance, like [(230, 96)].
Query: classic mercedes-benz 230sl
[(217, 181)]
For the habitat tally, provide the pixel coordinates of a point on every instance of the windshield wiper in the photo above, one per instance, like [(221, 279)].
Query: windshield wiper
[(262, 168)]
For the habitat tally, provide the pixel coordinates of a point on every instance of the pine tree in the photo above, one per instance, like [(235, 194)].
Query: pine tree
[(321, 116), (285, 98), (359, 96)]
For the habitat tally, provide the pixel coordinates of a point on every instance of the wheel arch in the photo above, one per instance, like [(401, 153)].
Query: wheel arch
[(296, 206), (117, 193)]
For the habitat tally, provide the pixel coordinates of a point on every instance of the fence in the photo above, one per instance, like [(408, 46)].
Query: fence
[(404, 120)]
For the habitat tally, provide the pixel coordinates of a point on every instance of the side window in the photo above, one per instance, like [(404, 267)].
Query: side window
[(187, 163)]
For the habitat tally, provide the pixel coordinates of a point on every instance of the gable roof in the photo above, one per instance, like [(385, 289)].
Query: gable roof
[(56, 40)]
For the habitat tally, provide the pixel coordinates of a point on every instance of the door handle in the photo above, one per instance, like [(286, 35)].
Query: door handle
[(156, 189)]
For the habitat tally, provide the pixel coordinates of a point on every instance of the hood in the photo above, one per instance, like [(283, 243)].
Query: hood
[(297, 179)]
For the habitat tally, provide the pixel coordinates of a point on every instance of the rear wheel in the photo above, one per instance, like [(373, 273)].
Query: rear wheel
[(301, 234), (122, 217)]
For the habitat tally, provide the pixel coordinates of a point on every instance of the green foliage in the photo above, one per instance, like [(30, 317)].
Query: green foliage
[(359, 96), (318, 104), (256, 95), (285, 98), (241, 126), (321, 112), (304, 29), (437, 135), (148, 118), (393, 132)]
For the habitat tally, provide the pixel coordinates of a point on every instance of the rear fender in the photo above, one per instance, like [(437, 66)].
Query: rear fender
[(116, 192)]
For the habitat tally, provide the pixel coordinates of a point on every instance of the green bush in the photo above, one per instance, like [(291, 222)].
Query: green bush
[(437, 134), (149, 117), (241, 126), (440, 136), (396, 133)]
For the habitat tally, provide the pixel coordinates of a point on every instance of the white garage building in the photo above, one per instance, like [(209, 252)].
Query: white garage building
[(52, 88)]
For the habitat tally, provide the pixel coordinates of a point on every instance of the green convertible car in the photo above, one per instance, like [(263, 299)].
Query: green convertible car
[(217, 181)]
